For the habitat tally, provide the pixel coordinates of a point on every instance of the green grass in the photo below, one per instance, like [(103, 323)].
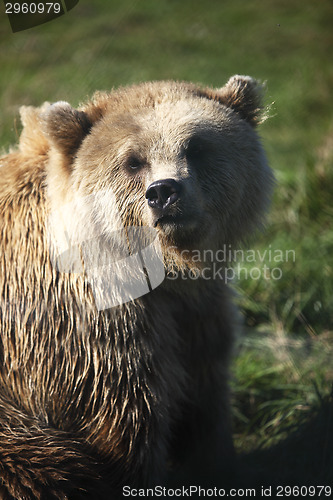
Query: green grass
[(283, 370), (284, 379)]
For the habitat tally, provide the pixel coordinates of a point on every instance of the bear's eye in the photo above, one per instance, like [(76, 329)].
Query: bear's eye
[(196, 149), (134, 164)]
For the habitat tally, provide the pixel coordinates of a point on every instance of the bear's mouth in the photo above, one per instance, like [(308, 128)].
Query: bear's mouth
[(176, 224), (172, 220), (179, 230)]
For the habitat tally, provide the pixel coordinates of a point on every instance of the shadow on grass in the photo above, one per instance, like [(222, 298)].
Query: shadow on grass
[(304, 458)]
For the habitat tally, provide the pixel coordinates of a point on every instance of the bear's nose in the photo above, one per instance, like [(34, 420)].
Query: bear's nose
[(161, 194)]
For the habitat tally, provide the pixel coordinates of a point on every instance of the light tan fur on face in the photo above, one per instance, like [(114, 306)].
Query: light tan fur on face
[(153, 124)]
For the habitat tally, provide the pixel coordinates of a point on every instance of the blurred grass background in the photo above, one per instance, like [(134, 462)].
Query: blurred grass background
[(283, 370)]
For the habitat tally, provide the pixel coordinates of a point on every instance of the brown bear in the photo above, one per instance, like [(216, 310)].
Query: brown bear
[(104, 384)]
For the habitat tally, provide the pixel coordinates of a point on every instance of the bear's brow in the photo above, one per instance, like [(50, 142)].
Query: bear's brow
[(125, 123), (204, 135)]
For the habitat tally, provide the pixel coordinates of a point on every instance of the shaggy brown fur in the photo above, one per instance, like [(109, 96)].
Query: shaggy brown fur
[(93, 400)]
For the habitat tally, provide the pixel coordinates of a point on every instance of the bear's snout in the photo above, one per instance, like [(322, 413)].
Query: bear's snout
[(162, 194)]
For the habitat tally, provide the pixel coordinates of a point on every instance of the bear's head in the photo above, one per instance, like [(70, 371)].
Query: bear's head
[(175, 157)]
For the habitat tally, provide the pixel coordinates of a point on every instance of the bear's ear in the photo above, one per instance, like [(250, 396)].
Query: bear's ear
[(244, 95), (65, 127)]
